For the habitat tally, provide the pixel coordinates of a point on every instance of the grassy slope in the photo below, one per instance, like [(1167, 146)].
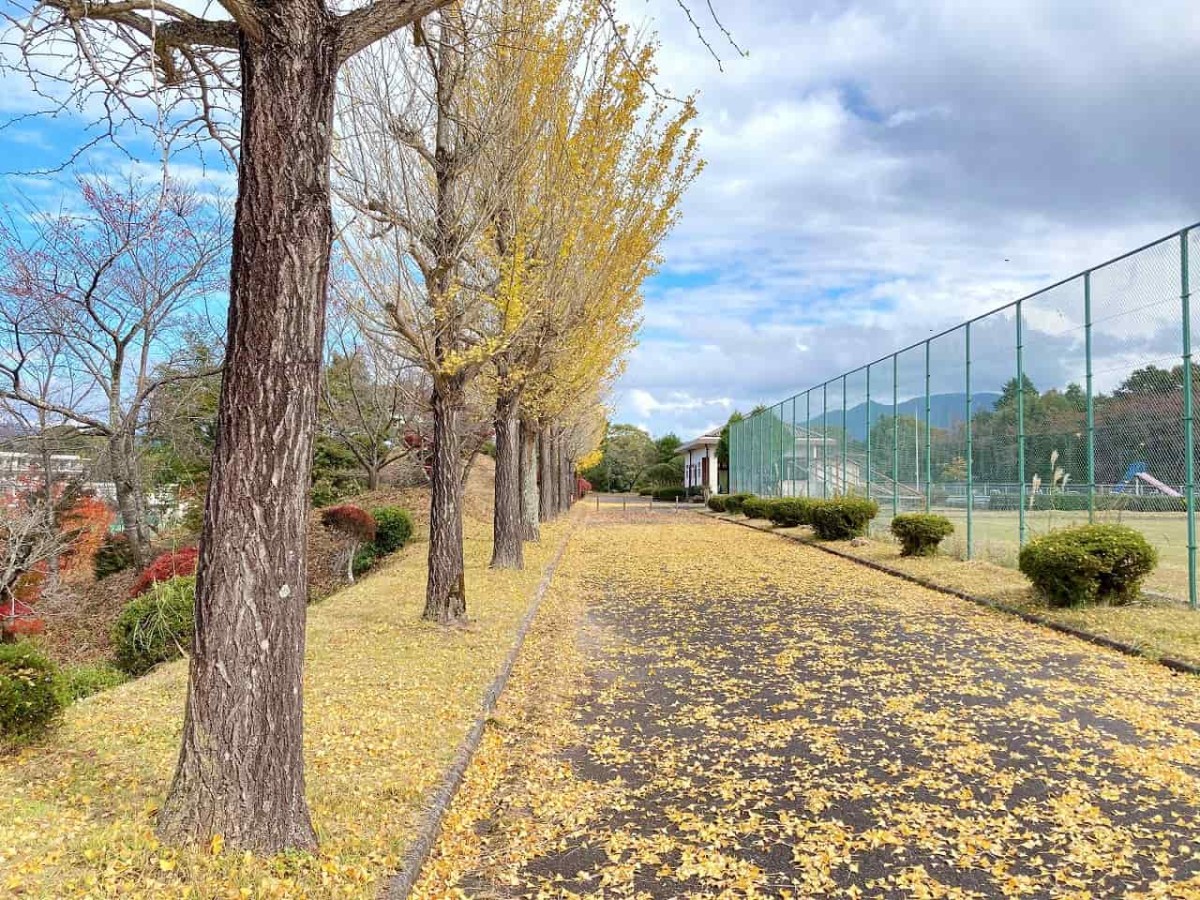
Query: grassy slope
[(388, 700)]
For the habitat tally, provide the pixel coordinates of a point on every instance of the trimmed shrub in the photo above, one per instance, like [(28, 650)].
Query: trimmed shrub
[(920, 533), (393, 528), (365, 559), (350, 521), (83, 681), (756, 507), (31, 696), (1088, 564), (115, 554), (734, 502), (842, 518), (717, 503), (788, 512), (157, 626), (671, 493), (166, 566)]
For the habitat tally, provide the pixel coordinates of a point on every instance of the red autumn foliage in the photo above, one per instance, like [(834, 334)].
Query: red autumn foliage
[(350, 521), (19, 618), (165, 567), (582, 487), (91, 518)]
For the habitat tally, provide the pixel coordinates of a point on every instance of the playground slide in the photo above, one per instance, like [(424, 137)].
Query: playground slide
[(1158, 485)]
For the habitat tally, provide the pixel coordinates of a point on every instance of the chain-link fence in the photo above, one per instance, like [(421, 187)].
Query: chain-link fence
[(1068, 405)]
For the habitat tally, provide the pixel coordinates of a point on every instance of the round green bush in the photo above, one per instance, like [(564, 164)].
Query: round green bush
[(1088, 564), (756, 507), (788, 512), (920, 533), (717, 503), (393, 528), (365, 559), (842, 518), (734, 502), (31, 696), (157, 626), (115, 554)]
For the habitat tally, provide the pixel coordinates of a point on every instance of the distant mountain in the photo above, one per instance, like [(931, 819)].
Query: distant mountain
[(945, 411)]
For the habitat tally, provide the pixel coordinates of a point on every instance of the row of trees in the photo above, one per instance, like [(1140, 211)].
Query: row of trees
[(482, 200)]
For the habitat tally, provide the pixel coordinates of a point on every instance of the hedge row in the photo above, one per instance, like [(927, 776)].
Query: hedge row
[(835, 519), (1079, 502)]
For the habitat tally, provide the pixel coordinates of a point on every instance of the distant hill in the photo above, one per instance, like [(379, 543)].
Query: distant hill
[(945, 411)]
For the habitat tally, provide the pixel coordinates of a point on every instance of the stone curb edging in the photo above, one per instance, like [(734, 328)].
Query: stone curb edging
[(1175, 665), (400, 885)]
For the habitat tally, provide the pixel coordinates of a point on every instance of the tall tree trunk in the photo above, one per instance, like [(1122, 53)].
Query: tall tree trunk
[(566, 490), (446, 593), (125, 481), (507, 543), (373, 478), (547, 476), (241, 769), (529, 483)]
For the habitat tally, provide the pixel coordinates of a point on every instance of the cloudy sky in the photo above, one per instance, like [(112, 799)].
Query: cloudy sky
[(879, 170)]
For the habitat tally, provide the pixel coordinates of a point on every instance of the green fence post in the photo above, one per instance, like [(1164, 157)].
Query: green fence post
[(928, 438), (845, 442), (1189, 464), (825, 440), (1020, 427), (868, 427), (808, 443), (1091, 407), (970, 455), (895, 435)]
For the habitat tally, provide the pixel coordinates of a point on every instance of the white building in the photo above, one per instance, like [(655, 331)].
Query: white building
[(700, 467)]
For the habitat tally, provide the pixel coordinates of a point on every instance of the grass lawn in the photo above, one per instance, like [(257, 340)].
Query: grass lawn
[(995, 538), (388, 699), (1156, 625)]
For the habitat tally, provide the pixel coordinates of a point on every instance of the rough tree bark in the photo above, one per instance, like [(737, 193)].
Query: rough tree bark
[(241, 767), (547, 476), (445, 592), (529, 483), (566, 489), (507, 543)]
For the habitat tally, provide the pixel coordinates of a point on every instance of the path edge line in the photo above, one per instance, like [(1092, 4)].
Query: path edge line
[(400, 885), (1170, 662)]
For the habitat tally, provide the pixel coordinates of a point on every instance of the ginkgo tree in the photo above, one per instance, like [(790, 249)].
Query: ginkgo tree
[(595, 200)]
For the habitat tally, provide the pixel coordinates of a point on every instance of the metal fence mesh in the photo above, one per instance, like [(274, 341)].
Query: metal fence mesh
[(1068, 405)]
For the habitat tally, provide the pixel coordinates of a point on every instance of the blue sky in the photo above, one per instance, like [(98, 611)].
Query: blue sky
[(877, 171)]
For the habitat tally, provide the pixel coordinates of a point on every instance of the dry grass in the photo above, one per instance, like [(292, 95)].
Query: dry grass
[(1157, 627), (388, 699)]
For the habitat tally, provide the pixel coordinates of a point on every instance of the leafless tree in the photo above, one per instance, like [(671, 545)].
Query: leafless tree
[(92, 302)]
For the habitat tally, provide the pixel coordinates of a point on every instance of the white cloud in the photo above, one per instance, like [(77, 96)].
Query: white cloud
[(881, 170)]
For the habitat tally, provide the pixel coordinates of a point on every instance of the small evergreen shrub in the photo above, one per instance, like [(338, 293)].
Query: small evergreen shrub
[(165, 567), (83, 681), (365, 559), (842, 518), (393, 528), (670, 493), (157, 626), (734, 502), (115, 554), (1088, 564), (323, 494), (756, 507), (31, 696), (789, 512), (717, 503), (920, 533)]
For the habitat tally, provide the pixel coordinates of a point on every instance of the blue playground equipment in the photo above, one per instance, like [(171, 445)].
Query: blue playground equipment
[(1139, 471)]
